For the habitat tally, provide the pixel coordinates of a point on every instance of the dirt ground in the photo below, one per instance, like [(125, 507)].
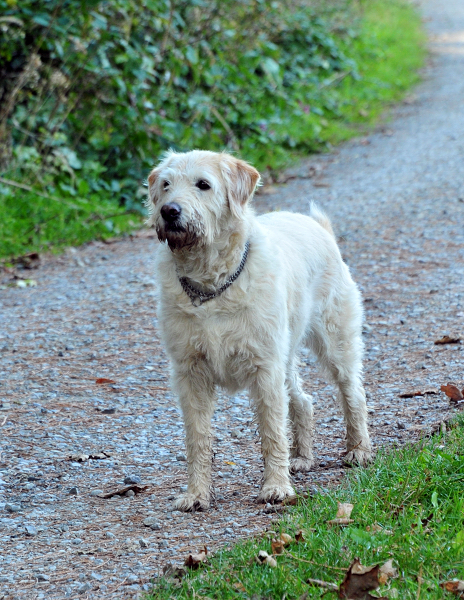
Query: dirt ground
[(396, 199)]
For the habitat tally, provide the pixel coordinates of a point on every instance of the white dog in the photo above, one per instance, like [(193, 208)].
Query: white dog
[(239, 295)]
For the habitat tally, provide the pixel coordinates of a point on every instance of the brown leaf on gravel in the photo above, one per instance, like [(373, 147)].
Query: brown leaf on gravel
[(78, 457), (28, 261), (102, 380), (359, 581), (455, 585), (100, 455), (413, 393), (137, 489), (446, 339), (453, 393), (193, 561), (110, 410), (410, 394), (170, 570), (84, 457)]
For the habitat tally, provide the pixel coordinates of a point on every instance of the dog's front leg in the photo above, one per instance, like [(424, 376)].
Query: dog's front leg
[(197, 398), (271, 406)]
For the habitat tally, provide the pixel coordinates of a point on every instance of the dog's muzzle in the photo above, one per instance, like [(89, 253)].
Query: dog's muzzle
[(171, 212), (173, 230)]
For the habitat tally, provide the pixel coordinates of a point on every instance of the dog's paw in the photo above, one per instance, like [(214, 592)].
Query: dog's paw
[(275, 493), (358, 456), (191, 503), (301, 464)]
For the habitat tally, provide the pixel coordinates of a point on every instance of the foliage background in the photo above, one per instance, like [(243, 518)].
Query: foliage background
[(92, 91)]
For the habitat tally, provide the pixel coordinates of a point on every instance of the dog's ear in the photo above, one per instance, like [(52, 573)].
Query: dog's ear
[(152, 180), (241, 180), (152, 197)]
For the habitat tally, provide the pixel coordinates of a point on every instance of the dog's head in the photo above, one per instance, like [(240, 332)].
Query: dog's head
[(197, 196)]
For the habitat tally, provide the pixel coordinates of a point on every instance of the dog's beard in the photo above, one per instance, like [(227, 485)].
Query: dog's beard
[(178, 235)]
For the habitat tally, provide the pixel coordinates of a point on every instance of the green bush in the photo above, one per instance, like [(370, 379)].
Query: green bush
[(92, 91), (105, 86)]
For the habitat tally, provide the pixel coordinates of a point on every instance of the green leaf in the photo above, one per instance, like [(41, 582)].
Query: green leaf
[(191, 55)]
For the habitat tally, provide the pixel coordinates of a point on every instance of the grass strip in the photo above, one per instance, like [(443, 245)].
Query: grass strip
[(408, 507), (389, 52)]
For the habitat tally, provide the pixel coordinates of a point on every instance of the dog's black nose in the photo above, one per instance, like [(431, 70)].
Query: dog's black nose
[(170, 212)]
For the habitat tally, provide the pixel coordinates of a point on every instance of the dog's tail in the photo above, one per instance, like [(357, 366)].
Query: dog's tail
[(320, 217)]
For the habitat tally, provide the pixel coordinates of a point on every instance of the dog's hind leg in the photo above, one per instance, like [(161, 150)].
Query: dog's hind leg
[(301, 418), (197, 396), (271, 407), (336, 340)]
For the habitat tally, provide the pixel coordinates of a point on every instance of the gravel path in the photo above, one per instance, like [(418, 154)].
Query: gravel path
[(397, 201)]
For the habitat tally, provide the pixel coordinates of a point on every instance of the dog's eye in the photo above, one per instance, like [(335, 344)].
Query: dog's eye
[(203, 185), (166, 184)]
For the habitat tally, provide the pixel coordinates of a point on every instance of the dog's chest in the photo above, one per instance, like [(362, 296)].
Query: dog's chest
[(225, 343)]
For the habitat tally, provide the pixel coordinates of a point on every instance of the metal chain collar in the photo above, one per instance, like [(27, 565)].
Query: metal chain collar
[(198, 297)]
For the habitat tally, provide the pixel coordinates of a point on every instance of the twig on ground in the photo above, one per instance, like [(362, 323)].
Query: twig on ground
[(312, 562), (323, 584), (419, 580)]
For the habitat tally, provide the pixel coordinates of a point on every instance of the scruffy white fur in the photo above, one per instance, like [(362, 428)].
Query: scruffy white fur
[(294, 290)]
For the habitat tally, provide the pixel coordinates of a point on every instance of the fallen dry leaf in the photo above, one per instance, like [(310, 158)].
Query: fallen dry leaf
[(299, 537), (453, 392), (193, 561), (344, 510), (285, 539), (99, 455), (343, 521), (102, 380), (411, 394), (84, 457), (375, 528), (263, 558), (387, 571), (171, 571), (279, 544), (359, 581), (294, 500), (239, 587), (455, 585), (78, 457), (137, 489), (343, 514), (277, 547), (446, 339), (28, 261)]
